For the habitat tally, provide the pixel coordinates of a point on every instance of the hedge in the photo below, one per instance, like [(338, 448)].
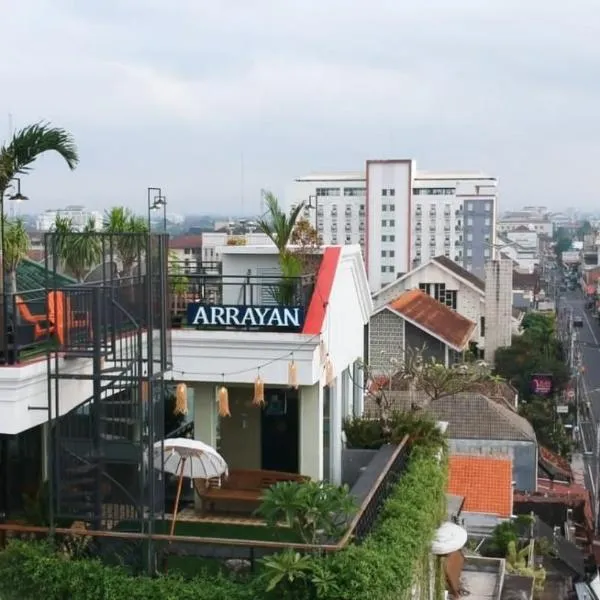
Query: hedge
[(33, 570), (389, 562), (384, 567)]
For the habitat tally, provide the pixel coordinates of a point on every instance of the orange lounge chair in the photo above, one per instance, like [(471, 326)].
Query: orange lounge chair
[(42, 324), (63, 318)]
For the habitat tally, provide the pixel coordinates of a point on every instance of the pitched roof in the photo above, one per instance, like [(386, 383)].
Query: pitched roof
[(484, 481), (459, 271), (434, 317), (525, 281), (472, 416), (35, 276)]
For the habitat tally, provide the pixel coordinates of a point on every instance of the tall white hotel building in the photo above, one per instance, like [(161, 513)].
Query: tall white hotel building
[(403, 217)]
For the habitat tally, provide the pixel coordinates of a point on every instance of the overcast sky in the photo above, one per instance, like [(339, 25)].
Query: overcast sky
[(182, 93)]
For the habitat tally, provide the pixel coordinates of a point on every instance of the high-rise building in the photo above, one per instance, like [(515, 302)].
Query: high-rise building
[(402, 217), (78, 215)]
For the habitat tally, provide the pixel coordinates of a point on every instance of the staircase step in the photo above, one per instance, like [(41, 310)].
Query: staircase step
[(125, 420)]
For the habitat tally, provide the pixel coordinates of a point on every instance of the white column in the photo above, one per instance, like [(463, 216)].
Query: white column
[(205, 419), (336, 432), (311, 431)]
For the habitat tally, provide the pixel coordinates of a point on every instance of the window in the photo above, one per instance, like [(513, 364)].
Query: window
[(384, 238), (392, 207), (392, 223), (361, 208), (486, 252), (440, 293), (469, 237), (392, 192), (392, 253), (392, 238), (355, 191), (328, 191), (488, 206), (384, 223), (384, 192), (469, 252), (326, 433), (384, 253), (470, 221), (384, 207), (434, 191), (487, 221), (470, 207)]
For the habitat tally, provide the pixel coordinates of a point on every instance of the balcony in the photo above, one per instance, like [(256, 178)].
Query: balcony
[(246, 302)]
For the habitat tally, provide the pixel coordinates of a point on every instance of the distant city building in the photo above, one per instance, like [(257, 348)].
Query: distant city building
[(541, 224), (402, 217), (78, 215)]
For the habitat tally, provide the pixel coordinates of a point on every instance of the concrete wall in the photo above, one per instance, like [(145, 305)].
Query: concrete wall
[(416, 339), (386, 340), (498, 306)]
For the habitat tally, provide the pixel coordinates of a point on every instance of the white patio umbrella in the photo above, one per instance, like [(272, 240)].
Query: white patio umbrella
[(192, 459)]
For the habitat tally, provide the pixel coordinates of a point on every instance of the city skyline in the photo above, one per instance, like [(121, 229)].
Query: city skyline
[(302, 89)]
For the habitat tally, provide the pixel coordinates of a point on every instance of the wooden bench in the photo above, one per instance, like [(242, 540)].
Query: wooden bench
[(243, 486)]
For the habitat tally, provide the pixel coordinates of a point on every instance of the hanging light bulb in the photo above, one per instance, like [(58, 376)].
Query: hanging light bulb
[(293, 374), (223, 401), (259, 391), (181, 406), (322, 352), (329, 373)]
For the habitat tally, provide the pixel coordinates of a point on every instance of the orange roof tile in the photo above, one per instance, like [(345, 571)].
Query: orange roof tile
[(434, 317), (484, 481)]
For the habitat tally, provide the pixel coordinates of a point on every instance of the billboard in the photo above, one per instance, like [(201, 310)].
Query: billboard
[(570, 256), (541, 384)]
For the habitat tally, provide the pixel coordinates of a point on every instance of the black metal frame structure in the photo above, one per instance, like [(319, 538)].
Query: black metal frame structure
[(101, 459)]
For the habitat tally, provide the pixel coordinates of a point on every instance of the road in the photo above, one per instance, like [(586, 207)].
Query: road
[(589, 345)]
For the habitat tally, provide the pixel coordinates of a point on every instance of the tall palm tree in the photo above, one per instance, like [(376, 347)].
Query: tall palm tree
[(16, 244), (118, 221), (24, 148), (79, 251)]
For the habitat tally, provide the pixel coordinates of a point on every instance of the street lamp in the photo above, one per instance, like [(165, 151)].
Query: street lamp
[(161, 201), (151, 203)]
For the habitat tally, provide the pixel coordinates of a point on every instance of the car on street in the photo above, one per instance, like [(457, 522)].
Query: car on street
[(577, 321)]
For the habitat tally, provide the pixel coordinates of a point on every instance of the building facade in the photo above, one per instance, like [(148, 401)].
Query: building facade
[(78, 215), (402, 217)]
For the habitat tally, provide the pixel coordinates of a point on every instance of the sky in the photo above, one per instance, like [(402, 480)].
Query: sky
[(212, 101)]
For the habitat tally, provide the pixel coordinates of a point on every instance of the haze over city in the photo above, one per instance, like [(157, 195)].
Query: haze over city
[(215, 101)]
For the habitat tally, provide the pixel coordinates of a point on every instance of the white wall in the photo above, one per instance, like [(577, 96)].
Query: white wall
[(24, 390), (397, 176)]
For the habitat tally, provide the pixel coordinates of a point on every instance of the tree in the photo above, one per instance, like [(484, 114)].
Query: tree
[(307, 241), (79, 251), (120, 221), (16, 245)]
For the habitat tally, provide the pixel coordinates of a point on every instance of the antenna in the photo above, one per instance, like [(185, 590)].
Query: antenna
[(242, 181)]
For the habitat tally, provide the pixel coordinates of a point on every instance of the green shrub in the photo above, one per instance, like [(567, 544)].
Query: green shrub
[(29, 571), (389, 561)]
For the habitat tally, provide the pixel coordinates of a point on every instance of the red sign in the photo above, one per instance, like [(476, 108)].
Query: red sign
[(541, 385)]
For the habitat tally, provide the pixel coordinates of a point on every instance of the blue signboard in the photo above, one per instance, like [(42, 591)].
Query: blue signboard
[(290, 318)]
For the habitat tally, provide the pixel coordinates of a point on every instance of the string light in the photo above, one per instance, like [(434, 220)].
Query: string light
[(223, 400), (259, 391), (293, 374), (181, 407)]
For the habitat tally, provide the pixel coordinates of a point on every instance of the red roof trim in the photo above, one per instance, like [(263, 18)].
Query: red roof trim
[(313, 323)]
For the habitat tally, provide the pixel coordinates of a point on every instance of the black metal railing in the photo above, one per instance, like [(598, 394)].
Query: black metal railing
[(238, 290)]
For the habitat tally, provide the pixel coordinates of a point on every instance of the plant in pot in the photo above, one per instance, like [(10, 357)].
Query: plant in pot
[(179, 287)]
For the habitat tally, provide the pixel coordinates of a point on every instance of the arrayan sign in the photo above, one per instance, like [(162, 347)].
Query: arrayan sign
[(267, 317)]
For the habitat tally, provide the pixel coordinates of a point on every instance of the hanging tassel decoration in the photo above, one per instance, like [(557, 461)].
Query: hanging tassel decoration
[(329, 373), (223, 400), (259, 392), (144, 390), (322, 352), (181, 405), (293, 374)]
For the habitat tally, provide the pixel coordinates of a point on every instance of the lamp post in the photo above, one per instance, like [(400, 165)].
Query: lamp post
[(151, 203), (161, 201)]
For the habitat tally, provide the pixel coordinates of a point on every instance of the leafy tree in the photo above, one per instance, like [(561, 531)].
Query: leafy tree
[(548, 427), (16, 244)]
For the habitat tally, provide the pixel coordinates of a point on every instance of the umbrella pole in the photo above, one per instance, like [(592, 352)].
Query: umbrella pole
[(177, 497)]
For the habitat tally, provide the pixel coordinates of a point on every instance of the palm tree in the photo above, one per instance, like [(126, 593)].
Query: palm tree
[(16, 244), (118, 221), (279, 227), (79, 251), (25, 146)]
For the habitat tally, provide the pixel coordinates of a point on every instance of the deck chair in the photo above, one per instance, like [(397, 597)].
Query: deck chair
[(63, 318), (42, 324)]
